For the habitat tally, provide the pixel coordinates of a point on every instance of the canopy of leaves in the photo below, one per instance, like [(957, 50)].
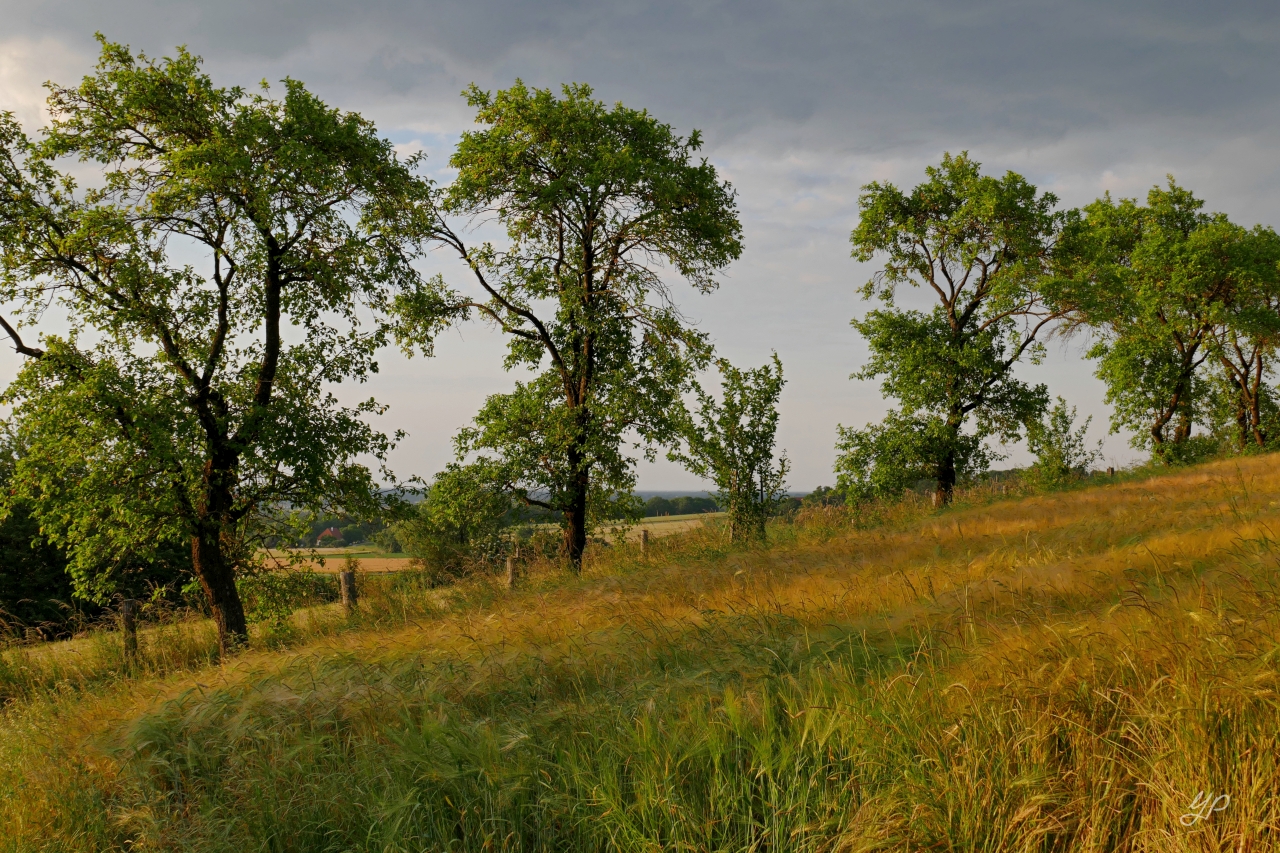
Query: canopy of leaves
[(881, 461), (731, 443), (1061, 449), (1159, 284), (980, 244), (220, 270), (459, 525), (597, 203)]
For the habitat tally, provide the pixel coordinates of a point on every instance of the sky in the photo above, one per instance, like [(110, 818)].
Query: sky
[(799, 103)]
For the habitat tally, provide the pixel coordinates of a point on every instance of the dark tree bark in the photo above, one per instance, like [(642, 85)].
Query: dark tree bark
[(946, 487), (218, 580)]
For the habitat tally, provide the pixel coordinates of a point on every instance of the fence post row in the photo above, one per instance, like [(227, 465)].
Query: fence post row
[(347, 583)]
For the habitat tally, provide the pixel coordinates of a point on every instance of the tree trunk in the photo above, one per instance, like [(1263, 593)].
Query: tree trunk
[(1244, 421), (1182, 432), (946, 479), (575, 529), (1255, 401), (741, 525), (575, 514), (1157, 437), (218, 579), (946, 474)]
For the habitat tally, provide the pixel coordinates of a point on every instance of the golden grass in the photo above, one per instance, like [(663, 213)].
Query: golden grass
[(1057, 672)]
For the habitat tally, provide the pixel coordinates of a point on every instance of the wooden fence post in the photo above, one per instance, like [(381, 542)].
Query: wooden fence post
[(129, 628), (644, 541), (347, 583), (511, 572), (1111, 472)]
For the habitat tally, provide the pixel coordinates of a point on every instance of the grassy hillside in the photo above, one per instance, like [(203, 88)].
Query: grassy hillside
[(1055, 672)]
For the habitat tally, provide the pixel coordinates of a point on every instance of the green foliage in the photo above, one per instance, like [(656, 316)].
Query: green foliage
[(387, 541), (731, 443), (461, 523), (1244, 350), (980, 244), (271, 595), (883, 460), (530, 444), (176, 408), (1242, 412), (824, 496), (351, 530), (680, 505), (1167, 287), (36, 590), (34, 586), (595, 201), (1062, 451)]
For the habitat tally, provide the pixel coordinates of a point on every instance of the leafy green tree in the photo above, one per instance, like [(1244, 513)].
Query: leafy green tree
[(1245, 346), (731, 443), (596, 203), (980, 244), (884, 460), (34, 586), (218, 272), (1164, 286), (1061, 449), (461, 521)]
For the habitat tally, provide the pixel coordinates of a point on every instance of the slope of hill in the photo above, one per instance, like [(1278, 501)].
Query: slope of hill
[(1086, 670)]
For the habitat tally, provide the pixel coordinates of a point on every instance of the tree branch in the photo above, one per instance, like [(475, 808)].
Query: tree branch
[(18, 345)]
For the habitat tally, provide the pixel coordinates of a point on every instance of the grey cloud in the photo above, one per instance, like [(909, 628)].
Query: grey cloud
[(863, 75)]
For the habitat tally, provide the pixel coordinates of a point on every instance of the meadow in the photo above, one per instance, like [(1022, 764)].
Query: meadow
[(1077, 671)]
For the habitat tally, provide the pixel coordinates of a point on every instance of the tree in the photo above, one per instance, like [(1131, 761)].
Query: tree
[(1061, 450), (461, 521), (1165, 286), (596, 202), (731, 443), (1245, 345), (981, 245), (884, 460), (184, 403)]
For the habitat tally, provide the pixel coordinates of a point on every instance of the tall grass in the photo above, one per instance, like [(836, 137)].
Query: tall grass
[(1055, 672)]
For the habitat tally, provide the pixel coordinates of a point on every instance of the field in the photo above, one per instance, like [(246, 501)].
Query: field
[(372, 560), (667, 525), (334, 559), (1075, 671)]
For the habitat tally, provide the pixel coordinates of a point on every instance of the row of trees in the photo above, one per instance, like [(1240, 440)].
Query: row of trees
[(233, 254), (1181, 309)]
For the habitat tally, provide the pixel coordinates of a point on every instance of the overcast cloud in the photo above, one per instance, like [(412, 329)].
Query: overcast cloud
[(800, 103)]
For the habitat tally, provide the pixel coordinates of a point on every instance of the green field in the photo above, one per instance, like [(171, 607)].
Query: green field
[(1061, 672)]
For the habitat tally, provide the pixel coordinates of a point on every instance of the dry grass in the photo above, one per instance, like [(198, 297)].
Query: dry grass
[(1056, 672)]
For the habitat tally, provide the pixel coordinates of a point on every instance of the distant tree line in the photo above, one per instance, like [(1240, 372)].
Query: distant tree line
[(680, 505)]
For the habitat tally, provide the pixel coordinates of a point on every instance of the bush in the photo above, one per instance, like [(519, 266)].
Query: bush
[(1062, 452), (272, 595), (462, 524)]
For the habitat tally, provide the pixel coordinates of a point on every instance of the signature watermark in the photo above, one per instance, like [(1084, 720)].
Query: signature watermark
[(1204, 806)]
